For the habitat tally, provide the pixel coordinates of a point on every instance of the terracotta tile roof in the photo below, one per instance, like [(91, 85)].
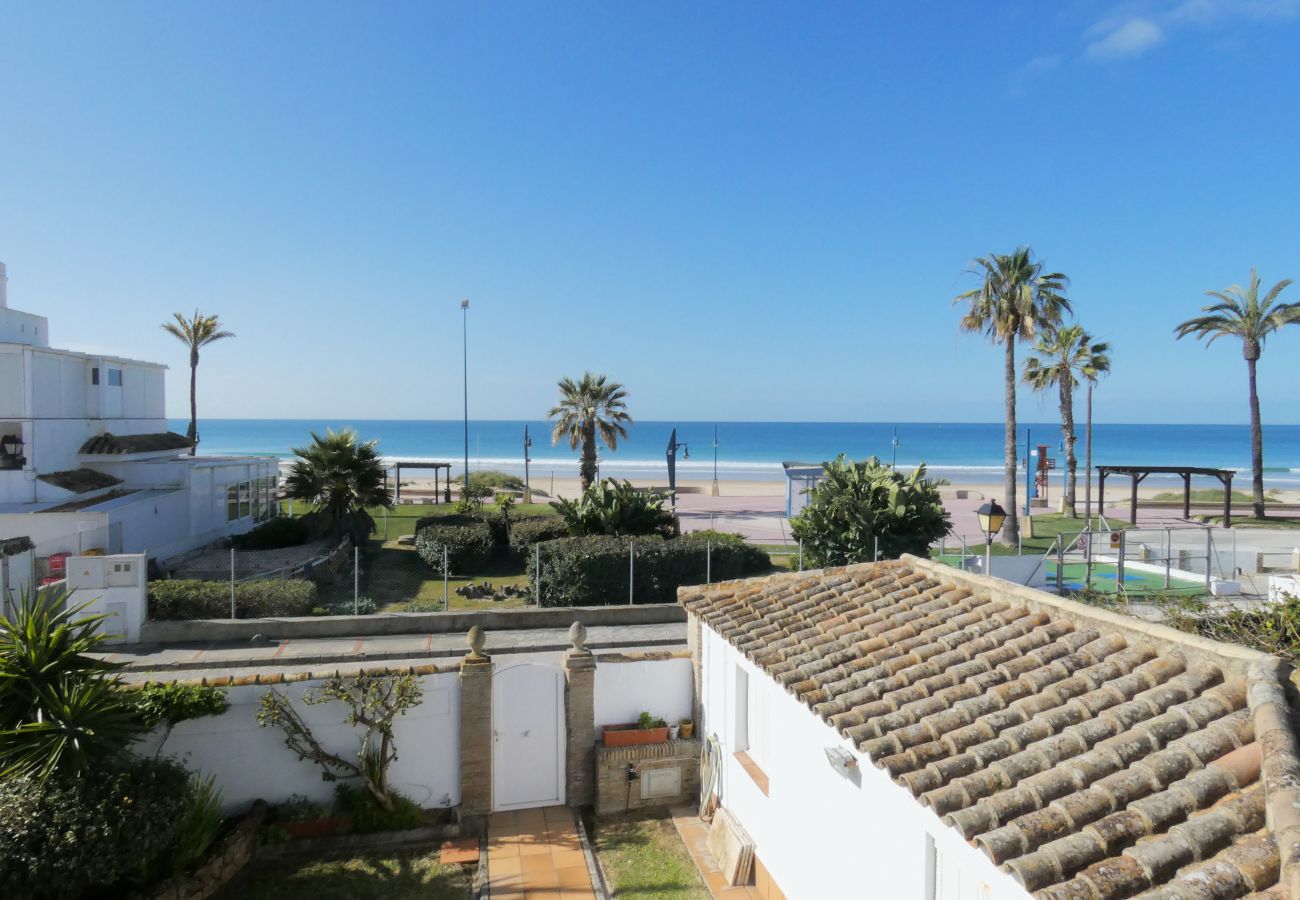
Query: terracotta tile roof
[(1088, 754), (135, 443), (80, 481)]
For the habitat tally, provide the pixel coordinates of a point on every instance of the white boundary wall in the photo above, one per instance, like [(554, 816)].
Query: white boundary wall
[(661, 687), (823, 833), (251, 762)]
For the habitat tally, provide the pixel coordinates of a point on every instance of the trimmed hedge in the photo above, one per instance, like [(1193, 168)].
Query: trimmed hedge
[(72, 838), (187, 598), (529, 530), (593, 571), (469, 546)]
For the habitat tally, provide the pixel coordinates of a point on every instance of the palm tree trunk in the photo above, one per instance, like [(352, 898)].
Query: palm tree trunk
[(1071, 462), (194, 403), (1011, 530), (1256, 445), (588, 467)]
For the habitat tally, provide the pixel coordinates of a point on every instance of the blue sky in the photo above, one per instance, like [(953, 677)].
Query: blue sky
[(740, 210)]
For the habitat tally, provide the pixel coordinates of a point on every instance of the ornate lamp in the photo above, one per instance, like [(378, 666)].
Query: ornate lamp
[(991, 516)]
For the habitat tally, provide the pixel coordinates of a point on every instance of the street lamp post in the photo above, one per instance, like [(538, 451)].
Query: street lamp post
[(528, 488), (464, 335), (714, 492), (991, 516), (894, 442)]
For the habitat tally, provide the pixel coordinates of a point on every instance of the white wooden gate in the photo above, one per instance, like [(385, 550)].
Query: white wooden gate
[(527, 737)]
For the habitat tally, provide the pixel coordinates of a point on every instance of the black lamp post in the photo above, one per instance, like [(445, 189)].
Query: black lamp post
[(991, 517)]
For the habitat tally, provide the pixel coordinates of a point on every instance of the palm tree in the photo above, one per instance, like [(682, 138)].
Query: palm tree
[(587, 408), (1239, 312), (341, 476), (1065, 355), (1014, 302), (195, 333)]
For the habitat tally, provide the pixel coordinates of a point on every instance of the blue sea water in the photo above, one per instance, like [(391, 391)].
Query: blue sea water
[(959, 452)]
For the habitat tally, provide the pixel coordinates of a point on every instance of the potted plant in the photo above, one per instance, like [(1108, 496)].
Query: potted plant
[(686, 728), (301, 818), (647, 729)]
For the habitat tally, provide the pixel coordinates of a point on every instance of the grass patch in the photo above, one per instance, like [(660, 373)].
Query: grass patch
[(1251, 522), (378, 876), (645, 858), (399, 581), (1213, 495), (400, 520)]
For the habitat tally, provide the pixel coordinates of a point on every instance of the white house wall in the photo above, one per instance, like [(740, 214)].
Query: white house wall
[(69, 532), (662, 687), (250, 762), (821, 833)]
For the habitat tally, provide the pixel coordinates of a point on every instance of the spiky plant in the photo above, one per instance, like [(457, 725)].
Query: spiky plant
[(1239, 312), (196, 332), (1015, 301), (590, 407), (341, 475)]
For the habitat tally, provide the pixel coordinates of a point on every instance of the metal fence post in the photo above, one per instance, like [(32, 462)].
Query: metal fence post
[(446, 597), (708, 562), (800, 554), (356, 579), (232, 583), (1169, 551), (963, 552), (537, 572), (1119, 570), (385, 523), (875, 553), (1060, 564), (631, 569), (1209, 549)]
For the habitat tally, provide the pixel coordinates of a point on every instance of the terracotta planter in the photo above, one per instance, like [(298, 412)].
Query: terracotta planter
[(315, 828), (631, 736), (687, 729)]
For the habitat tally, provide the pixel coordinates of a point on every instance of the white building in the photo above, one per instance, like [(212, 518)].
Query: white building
[(87, 462), (908, 731)]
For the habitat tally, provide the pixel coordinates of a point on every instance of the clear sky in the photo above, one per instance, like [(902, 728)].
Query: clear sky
[(740, 210)]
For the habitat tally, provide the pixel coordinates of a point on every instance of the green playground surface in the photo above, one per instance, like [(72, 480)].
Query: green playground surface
[(1105, 578)]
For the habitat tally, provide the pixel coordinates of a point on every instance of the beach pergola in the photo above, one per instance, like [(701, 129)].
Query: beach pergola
[(410, 464), (1138, 473)]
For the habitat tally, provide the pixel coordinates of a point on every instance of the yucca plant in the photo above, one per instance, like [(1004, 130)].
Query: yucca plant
[(613, 507), (60, 709)]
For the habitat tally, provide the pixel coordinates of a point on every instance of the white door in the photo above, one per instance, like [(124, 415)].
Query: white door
[(527, 737)]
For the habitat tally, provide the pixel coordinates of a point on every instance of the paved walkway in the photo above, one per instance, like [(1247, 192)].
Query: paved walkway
[(194, 659), (536, 854), (694, 832)]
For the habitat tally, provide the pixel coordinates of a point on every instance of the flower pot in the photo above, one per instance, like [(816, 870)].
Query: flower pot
[(632, 736), (672, 732), (314, 828), (687, 729)]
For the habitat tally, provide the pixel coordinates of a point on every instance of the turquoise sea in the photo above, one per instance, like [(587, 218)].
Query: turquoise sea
[(959, 452)]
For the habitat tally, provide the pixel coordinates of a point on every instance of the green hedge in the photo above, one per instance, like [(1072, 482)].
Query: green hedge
[(184, 598), (274, 534), (529, 530), (89, 836), (469, 546), (593, 571)]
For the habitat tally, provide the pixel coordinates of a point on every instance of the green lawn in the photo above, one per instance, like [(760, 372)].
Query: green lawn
[(378, 876), (1212, 495), (400, 520), (645, 858), (399, 581)]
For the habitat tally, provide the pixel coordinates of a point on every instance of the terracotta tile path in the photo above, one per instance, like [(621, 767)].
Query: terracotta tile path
[(535, 854), (695, 834)]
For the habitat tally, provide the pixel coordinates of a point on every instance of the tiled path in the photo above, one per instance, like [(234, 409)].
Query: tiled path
[(535, 854), (695, 834)]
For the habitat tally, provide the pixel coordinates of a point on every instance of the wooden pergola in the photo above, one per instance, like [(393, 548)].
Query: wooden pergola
[(409, 464), (1138, 473)]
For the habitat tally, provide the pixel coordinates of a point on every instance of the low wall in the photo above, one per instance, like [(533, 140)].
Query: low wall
[(205, 630), (250, 762), (626, 686), (225, 859), (625, 774)]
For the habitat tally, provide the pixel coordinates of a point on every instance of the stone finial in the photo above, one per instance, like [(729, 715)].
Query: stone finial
[(578, 636), (476, 640)]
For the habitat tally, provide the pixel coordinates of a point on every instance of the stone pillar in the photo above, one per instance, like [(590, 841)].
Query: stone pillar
[(580, 719), (475, 735)]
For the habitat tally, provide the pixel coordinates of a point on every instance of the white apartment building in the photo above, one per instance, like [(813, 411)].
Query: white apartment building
[(87, 462)]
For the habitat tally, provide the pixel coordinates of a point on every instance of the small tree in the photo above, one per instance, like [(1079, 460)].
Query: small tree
[(857, 504), (373, 702)]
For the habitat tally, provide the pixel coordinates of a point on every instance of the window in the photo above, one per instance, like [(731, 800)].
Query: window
[(749, 730), (94, 374), (740, 731), (232, 503), (114, 377), (245, 499)]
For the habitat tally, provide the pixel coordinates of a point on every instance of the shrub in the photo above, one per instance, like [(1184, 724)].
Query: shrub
[(63, 838), (367, 815), (491, 481), (468, 547), (611, 507), (274, 534), (857, 504), (529, 530), (593, 570), (174, 701), (185, 598)]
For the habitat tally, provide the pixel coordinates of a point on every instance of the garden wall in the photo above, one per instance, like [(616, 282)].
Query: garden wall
[(628, 684), (251, 762)]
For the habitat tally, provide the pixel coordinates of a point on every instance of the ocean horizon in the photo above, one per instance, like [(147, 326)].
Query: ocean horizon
[(961, 452)]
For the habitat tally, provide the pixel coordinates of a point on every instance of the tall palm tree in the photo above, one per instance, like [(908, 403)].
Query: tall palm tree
[(1016, 300), (195, 333), (1239, 312), (1065, 355), (587, 408), (342, 476)]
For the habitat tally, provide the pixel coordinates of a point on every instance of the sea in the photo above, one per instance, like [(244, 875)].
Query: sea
[(960, 452)]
